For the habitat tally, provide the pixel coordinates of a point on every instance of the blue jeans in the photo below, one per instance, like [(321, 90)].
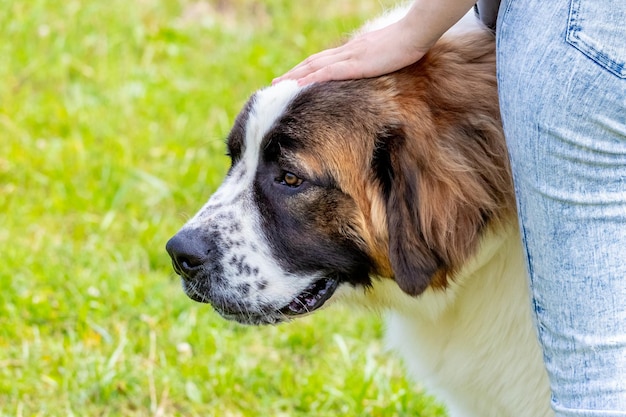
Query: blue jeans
[(562, 80)]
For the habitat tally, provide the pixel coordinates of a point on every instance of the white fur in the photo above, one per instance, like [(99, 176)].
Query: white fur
[(473, 345), (269, 104)]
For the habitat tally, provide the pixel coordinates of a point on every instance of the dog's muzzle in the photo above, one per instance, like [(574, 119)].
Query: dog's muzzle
[(189, 253), (197, 258)]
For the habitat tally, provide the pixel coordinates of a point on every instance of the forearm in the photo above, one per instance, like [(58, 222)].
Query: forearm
[(384, 50), (427, 20)]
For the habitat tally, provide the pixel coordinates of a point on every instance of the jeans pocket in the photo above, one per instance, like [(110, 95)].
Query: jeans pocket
[(598, 30)]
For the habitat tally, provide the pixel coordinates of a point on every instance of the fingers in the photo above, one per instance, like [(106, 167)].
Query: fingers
[(316, 68), (336, 71), (367, 55)]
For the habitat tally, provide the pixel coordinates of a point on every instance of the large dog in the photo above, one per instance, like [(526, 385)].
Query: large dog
[(393, 192)]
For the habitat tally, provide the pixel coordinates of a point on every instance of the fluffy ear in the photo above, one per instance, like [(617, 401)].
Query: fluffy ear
[(441, 191), (444, 171), (414, 264)]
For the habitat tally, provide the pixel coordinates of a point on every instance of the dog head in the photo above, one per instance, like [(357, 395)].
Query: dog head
[(342, 183)]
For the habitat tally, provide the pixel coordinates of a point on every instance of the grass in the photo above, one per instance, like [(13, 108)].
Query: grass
[(112, 119)]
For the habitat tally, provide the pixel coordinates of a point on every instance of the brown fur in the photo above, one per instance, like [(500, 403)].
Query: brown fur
[(464, 179), (436, 124)]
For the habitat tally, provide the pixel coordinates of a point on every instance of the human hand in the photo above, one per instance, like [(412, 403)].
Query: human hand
[(367, 55)]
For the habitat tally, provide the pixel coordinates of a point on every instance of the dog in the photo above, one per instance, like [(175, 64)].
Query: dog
[(391, 192)]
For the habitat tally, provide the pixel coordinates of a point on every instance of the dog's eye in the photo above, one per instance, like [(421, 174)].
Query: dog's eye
[(289, 179)]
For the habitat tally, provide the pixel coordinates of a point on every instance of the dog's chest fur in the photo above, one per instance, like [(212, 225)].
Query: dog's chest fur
[(474, 345)]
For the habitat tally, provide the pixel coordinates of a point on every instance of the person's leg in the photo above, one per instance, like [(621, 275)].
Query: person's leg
[(562, 80)]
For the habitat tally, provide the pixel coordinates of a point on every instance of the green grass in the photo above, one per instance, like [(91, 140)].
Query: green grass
[(112, 119)]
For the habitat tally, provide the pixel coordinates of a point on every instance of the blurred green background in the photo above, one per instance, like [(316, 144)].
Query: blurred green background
[(112, 121)]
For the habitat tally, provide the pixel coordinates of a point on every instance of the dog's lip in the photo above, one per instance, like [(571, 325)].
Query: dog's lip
[(252, 319), (312, 298), (192, 292), (266, 316)]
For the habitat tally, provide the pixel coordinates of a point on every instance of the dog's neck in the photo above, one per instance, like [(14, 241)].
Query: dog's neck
[(433, 303), (484, 313)]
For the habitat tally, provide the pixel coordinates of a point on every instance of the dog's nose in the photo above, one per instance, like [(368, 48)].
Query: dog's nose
[(188, 252)]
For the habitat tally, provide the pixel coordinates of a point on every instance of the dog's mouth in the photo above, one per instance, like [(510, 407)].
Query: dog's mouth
[(312, 298)]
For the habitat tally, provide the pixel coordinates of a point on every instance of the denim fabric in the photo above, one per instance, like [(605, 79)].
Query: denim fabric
[(562, 80)]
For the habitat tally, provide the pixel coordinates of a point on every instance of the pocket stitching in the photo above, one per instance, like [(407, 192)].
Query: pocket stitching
[(587, 48)]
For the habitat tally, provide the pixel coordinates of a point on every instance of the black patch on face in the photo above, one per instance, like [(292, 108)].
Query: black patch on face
[(321, 109), (303, 229), (303, 224), (335, 101), (236, 138), (244, 289), (277, 141)]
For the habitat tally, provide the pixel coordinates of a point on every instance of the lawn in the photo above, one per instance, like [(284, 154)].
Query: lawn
[(112, 121)]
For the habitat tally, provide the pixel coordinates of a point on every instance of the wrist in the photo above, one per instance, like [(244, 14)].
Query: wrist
[(427, 20)]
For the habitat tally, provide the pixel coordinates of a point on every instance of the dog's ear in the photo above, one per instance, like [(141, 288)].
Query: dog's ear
[(413, 262), (441, 190), (442, 163)]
